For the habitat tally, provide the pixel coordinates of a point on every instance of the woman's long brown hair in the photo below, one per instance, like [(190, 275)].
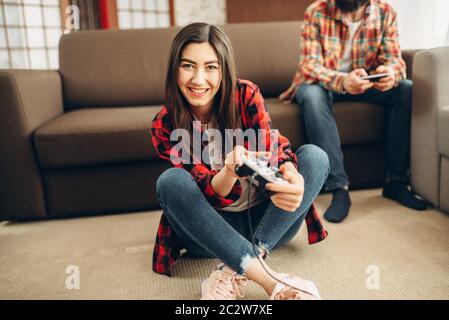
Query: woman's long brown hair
[(224, 110)]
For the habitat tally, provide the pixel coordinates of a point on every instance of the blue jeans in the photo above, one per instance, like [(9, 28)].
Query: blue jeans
[(206, 232), (321, 128)]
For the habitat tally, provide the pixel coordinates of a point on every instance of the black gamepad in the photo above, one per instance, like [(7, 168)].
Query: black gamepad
[(258, 172)]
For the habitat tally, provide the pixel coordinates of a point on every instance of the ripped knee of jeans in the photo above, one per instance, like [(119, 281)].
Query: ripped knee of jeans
[(261, 251)]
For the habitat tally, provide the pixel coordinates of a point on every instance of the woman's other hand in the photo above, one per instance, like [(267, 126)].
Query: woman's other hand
[(288, 196)]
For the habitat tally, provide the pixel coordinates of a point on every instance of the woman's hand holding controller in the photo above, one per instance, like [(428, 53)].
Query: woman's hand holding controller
[(234, 158), (288, 196)]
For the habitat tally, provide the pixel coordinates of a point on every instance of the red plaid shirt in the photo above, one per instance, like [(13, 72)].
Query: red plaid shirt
[(323, 40), (250, 104)]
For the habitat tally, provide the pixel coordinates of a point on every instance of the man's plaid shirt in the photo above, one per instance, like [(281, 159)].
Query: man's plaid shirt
[(251, 107), (323, 40)]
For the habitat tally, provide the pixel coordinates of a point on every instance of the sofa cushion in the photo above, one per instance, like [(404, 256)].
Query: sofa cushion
[(266, 53), (111, 135), (96, 136), (358, 123), (443, 131), (105, 68)]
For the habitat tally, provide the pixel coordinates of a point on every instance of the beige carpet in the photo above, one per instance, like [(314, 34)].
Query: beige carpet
[(409, 251)]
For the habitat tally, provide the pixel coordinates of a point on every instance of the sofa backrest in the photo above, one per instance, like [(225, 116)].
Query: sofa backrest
[(266, 53), (114, 67), (127, 67)]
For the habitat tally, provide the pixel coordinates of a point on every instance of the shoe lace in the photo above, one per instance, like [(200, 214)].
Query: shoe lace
[(229, 284)]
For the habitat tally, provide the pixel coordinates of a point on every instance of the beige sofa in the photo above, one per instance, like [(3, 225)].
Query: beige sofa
[(76, 140), (430, 126)]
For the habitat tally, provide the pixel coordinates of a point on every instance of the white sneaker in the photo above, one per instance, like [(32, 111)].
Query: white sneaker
[(223, 284), (302, 289)]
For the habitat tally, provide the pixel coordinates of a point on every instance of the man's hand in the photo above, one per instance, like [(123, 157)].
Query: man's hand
[(386, 83), (287, 95), (288, 197), (354, 85)]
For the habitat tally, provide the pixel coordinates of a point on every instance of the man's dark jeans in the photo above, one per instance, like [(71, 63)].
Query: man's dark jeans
[(321, 128)]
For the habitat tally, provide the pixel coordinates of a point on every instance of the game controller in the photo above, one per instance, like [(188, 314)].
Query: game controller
[(258, 172)]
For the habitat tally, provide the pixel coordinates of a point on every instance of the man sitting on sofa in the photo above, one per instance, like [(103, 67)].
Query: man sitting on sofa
[(343, 41)]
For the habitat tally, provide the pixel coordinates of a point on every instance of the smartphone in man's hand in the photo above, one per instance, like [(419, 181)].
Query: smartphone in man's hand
[(375, 77)]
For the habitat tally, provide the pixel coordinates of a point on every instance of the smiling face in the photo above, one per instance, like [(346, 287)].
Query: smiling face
[(199, 76)]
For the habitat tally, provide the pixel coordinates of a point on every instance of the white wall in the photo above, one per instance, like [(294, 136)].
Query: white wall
[(210, 11), (422, 23)]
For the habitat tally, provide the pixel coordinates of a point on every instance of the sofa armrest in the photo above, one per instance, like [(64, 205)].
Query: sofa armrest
[(443, 131), (408, 56), (28, 98), (430, 93)]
